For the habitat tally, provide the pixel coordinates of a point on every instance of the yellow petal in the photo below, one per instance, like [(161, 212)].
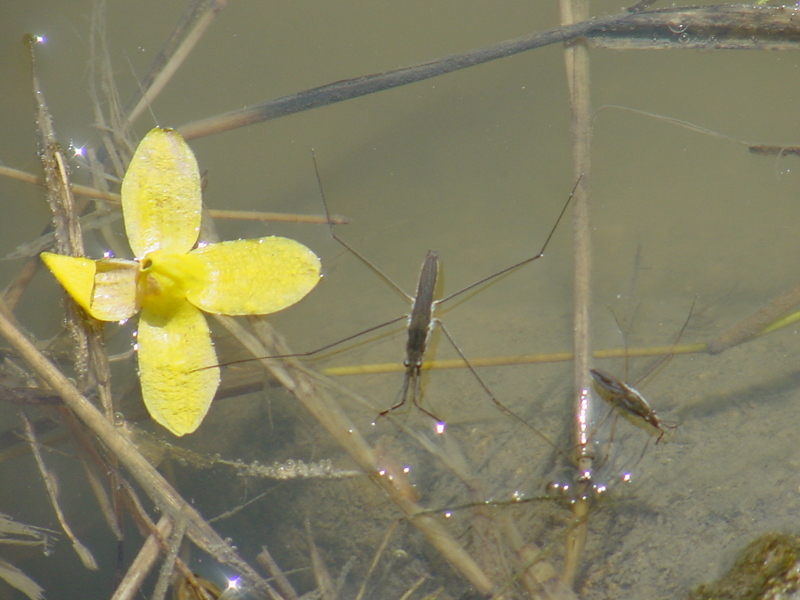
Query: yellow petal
[(106, 289), (254, 276), (161, 200), (171, 350), (75, 274), (114, 297)]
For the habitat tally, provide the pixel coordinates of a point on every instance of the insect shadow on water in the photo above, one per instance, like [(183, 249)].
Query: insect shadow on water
[(421, 321)]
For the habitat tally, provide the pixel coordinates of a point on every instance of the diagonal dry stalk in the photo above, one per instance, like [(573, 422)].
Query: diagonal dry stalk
[(281, 581), (154, 484), (197, 19), (756, 323), (305, 386), (294, 378), (714, 28), (131, 583)]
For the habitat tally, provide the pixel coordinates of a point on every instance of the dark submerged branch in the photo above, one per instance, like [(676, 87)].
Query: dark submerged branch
[(710, 27)]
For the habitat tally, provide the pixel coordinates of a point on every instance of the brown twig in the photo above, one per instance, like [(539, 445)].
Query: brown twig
[(242, 215), (708, 27), (325, 586), (538, 576)]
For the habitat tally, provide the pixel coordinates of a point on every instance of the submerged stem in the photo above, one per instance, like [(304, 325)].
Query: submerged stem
[(711, 27), (576, 56)]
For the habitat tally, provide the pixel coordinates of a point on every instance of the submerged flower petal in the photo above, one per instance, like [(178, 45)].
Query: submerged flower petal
[(253, 277), (161, 198), (174, 351)]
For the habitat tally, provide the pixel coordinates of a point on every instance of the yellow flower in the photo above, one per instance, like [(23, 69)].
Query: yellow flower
[(171, 283)]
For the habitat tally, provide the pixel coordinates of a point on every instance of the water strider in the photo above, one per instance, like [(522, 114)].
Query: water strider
[(421, 320), (420, 325)]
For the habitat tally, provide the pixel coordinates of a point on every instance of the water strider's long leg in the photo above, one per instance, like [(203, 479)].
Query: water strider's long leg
[(421, 319)]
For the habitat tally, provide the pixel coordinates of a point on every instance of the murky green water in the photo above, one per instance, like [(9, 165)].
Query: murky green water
[(476, 165)]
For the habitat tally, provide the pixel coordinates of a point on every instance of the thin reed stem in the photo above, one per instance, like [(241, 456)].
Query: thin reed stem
[(521, 359), (576, 57), (198, 19)]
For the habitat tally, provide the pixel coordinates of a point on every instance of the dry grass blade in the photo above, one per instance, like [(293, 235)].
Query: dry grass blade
[(93, 221), (281, 581), (154, 484), (346, 434), (83, 190), (188, 32), (413, 588), (521, 359), (131, 583), (17, 579), (251, 215), (325, 585), (52, 490), (16, 533), (168, 566), (378, 553), (755, 324)]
